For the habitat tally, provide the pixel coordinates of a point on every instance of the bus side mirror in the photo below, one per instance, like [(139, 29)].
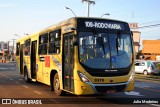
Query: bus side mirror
[(75, 40)]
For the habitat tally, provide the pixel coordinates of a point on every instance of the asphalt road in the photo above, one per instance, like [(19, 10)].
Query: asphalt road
[(13, 89)]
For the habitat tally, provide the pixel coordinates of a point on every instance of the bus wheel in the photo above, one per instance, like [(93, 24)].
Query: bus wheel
[(26, 76), (56, 85)]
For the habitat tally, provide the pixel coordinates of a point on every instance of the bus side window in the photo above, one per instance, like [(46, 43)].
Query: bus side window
[(17, 49), (43, 43), (27, 47), (54, 41)]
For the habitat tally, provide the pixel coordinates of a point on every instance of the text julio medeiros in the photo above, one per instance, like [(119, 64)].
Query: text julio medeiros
[(144, 101)]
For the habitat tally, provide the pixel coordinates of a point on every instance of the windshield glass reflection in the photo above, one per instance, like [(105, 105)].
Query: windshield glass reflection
[(105, 50)]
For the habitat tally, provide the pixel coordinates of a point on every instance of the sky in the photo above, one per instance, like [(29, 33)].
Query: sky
[(22, 17)]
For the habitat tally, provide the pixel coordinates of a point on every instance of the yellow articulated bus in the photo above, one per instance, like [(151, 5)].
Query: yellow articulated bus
[(80, 55)]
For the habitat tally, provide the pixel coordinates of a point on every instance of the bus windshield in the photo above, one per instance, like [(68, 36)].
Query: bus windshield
[(105, 50)]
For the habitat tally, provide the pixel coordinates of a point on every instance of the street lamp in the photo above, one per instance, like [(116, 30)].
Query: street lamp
[(8, 46), (26, 34), (17, 35), (70, 10), (105, 14), (13, 45)]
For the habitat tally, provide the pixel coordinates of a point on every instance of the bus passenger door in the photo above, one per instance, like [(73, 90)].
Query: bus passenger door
[(21, 60), (68, 79), (33, 59)]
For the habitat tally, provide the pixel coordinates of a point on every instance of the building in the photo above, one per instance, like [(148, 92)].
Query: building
[(3, 46), (136, 36), (151, 49)]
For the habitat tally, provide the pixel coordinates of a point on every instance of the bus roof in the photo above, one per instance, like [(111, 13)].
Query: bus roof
[(63, 23), (75, 18), (27, 37)]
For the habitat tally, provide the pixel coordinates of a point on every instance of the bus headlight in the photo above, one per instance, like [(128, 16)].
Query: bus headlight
[(83, 77), (132, 76)]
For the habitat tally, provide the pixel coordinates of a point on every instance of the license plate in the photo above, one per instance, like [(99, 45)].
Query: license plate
[(111, 91)]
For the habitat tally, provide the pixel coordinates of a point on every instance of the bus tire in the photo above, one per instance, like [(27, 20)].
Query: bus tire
[(26, 76), (56, 86)]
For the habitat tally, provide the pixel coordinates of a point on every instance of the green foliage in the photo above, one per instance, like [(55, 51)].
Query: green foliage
[(158, 65)]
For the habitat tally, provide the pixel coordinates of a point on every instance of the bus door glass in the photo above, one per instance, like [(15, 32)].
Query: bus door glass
[(33, 59), (68, 62), (21, 59)]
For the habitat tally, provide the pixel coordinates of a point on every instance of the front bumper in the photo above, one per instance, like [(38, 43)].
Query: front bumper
[(91, 88)]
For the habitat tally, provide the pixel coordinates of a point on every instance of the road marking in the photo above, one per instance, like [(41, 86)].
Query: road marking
[(149, 89), (20, 79), (37, 92), (25, 86), (141, 86), (12, 68), (11, 79), (17, 82), (13, 74), (133, 93), (156, 105), (2, 68), (6, 68)]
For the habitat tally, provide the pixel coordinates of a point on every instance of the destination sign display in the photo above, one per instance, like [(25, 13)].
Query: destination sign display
[(101, 24)]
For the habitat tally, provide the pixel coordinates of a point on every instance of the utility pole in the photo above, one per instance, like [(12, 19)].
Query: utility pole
[(13, 45), (17, 35), (8, 47), (88, 5)]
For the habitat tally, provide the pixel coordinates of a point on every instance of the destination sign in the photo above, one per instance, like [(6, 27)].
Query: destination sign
[(103, 25)]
